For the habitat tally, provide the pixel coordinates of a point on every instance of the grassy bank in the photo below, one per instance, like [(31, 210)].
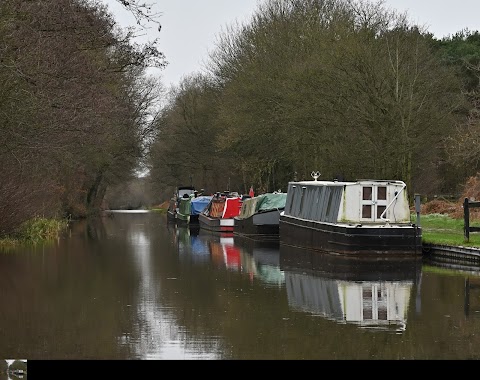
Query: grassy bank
[(159, 210), (34, 231), (443, 229)]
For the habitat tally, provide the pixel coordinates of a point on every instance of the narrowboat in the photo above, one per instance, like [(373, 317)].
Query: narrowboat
[(259, 216), (190, 207), (175, 201), (364, 217), (219, 213)]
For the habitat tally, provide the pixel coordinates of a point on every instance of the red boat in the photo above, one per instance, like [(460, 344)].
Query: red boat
[(219, 214)]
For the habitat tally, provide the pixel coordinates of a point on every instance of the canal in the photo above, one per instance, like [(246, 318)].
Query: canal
[(132, 286)]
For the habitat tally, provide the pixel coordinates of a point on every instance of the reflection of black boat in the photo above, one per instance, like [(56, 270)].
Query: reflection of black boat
[(261, 258), (265, 251), (370, 293)]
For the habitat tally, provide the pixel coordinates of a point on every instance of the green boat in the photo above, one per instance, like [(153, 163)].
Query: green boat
[(190, 206)]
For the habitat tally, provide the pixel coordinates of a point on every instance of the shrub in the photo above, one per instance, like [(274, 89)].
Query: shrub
[(39, 229)]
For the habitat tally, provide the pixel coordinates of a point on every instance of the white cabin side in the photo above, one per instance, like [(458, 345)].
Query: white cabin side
[(365, 202)]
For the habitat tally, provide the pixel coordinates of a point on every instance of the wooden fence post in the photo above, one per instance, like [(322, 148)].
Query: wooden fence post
[(466, 220), (467, 205), (417, 208)]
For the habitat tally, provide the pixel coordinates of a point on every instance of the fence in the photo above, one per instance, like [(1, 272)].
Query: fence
[(467, 205)]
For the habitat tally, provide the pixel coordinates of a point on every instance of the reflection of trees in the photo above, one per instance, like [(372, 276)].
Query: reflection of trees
[(92, 228), (72, 305)]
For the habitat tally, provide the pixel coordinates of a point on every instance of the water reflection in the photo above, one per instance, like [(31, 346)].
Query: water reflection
[(131, 286), (190, 245), (261, 259), (372, 294), (156, 334), (470, 270), (223, 251)]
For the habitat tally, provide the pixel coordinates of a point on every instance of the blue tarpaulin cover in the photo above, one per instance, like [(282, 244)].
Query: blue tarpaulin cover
[(198, 204)]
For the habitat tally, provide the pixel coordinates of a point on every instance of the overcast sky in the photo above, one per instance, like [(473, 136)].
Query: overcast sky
[(190, 27)]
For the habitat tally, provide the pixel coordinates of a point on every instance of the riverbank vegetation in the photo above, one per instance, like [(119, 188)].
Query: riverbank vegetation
[(76, 108), (34, 231), (442, 220)]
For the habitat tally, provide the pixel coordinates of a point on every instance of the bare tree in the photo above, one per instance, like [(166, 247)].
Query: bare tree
[(142, 11), (75, 108)]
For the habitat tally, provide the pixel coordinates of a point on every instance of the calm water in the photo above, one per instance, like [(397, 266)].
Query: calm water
[(132, 286)]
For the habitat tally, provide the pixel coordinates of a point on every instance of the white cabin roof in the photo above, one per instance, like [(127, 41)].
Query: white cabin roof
[(362, 201)]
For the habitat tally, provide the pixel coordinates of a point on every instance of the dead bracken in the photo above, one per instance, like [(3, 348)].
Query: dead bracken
[(454, 209)]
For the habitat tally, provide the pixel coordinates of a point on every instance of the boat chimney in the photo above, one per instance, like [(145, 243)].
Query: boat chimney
[(315, 175)]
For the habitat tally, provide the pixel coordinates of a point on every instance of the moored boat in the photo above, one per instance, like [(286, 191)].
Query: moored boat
[(259, 216), (174, 202), (198, 204), (190, 207), (365, 217), (219, 213)]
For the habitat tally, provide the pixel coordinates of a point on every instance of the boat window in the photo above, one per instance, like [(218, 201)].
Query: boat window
[(380, 210), (367, 193), (366, 211), (302, 198), (290, 204), (367, 298), (329, 202), (367, 313), (382, 314), (382, 192)]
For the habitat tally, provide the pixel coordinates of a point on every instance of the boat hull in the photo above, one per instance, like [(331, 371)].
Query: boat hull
[(182, 219), (216, 224), (171, 215), (259, 226), (190, 208), (346, 239), (174, 203)]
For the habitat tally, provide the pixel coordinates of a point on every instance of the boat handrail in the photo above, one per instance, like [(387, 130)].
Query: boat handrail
[(382, 216)]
